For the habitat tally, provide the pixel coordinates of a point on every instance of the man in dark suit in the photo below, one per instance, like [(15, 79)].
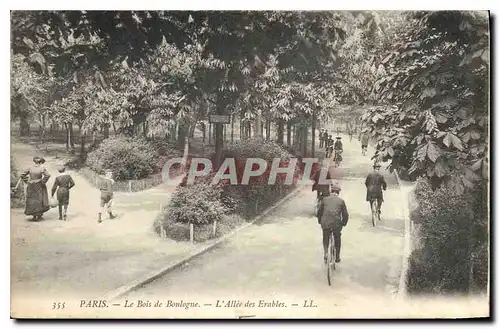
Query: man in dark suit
[(332, 216), (374, 183)]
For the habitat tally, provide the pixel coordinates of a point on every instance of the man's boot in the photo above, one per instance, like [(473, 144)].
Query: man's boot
[(111, 216), (60, 213), (99, 219), (65, 213)]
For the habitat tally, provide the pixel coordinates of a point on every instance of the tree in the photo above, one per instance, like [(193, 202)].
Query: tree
[(437, 79)]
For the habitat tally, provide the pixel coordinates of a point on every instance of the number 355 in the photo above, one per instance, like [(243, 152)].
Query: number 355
[(58, 305)]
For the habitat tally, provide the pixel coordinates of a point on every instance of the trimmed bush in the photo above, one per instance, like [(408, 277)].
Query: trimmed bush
[(251, 199), (199, 204), (129, 158), (453, 257)]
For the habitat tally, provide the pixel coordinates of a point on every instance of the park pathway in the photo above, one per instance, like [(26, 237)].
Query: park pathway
[(281, 259), (54, 258)]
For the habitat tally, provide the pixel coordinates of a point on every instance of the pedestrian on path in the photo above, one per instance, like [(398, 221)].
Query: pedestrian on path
[(332, 216), (106, 188), (63, 183), (37, 197), (364, 143), (322, 138)]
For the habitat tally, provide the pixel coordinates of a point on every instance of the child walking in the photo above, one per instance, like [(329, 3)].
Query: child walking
[(62, 184), (106, 187)]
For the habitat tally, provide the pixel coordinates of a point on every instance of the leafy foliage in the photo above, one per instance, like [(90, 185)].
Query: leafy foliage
[(129, 158), (197, 204), (437, 79), (258, 193), (454, 234)]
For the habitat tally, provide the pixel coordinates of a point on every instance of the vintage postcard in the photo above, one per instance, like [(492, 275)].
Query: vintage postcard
[(250, 164)]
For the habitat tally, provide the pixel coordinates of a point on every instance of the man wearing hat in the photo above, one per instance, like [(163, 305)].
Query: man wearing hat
[(338, 147), (62, 184), (332, 216), (321, 140), (374, 183)]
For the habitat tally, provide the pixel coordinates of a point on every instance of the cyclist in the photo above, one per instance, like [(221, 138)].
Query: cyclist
[(364, 143), (332, 216), (339, 148), (375, 183), (329, 146)]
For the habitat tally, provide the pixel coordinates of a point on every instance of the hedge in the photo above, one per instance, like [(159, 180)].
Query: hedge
[(128, 158), (202, 203), (453, 252), (134, 172)]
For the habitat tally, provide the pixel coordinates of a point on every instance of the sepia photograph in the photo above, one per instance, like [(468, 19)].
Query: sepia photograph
[(258, 164)]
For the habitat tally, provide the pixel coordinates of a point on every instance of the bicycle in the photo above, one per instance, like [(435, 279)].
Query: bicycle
[(337, 158), (330, 259), (375, 211)]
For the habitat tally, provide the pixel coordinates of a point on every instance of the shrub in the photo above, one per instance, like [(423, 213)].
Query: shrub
[(198, 204), (453, 257), (16, 194), (129, 158), (258, 194)]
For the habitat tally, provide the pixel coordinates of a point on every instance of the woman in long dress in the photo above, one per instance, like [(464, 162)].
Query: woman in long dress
[(37, 196)]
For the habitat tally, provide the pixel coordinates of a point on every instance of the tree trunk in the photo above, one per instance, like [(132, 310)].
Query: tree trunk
[(225, 133), (42, 128), (82, 145), (182, 133), (280, 127), (24, 126), (232, 128), (304, 140), (145, 129), (204, 131), (209, 134), (67, 136), (71, 138), (242, 129), (313, 133), (106, 131), (259, 132), (288, 134), (268, 129), (219, 132)]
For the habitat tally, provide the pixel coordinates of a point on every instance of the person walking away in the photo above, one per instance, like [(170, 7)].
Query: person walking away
[(332, 216), (338, 148), (63, 183), (106, 187), (37, 197), (329, 146), (325, 138), (364, 143), (375, 183), (321, 138)]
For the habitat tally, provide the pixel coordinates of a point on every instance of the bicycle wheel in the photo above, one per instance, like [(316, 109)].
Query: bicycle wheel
[(374, 211), (330, 260)]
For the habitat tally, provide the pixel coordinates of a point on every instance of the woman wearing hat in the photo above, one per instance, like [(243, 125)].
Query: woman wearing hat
[(37, 197)]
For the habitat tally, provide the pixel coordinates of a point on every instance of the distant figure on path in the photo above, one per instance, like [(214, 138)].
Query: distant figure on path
[(364, 143), (62, 184), (321, 138), (106, 187), (37, 197)]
